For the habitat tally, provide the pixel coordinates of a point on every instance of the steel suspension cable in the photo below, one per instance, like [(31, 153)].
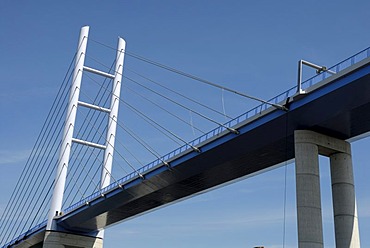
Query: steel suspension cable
[(109, 172), (46, 208), (143, 143), (12, 229), (26, 202), (203, 80), (63, 150), (38, 143), (159, 127), (42, 204), (16, 200), (157, 105), (115, 150), (223, 104), (101, 136), (83, 133), (183, 106), (94, 125), (177, 93), (188, 75), (39, 195), (203, 116), (135, 157), (151, 150), (135, 138), (36, 169), (43, 164), (87, 175), (75, 181), (156, 125), (45, 173), (91, 179)]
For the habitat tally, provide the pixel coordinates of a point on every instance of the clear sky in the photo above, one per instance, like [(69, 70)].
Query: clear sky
[(251, 46)]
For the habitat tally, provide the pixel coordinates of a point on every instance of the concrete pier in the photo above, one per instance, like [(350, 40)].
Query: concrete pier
[(309, 214), (308, 145), (344, 201), (54, 239)]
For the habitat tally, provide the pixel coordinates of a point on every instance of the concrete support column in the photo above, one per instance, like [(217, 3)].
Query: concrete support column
[(308, 145), (54, 239), (309, 214), (344, 201)]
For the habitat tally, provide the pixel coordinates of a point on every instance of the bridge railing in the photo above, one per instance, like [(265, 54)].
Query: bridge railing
[(206, 137), (24, 235), (337, 68)]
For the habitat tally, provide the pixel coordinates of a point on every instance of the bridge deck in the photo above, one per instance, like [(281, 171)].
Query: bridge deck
[(338, 106)]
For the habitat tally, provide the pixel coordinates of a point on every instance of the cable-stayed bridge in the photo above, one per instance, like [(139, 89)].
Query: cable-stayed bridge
[(333, 103)]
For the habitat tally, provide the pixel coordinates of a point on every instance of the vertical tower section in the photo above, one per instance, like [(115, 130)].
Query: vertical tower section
[(65, 149), (113, 115)]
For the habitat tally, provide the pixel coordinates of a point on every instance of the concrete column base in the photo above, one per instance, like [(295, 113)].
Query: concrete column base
[(310, 232), (344, 201), (55, 239)]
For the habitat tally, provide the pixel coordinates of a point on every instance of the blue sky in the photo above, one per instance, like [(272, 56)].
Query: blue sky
[(251, 46)]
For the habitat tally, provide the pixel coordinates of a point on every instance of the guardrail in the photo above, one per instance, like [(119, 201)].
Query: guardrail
[(24, 235)]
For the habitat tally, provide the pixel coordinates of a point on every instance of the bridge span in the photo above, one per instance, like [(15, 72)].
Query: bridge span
[(335, 105), (338, 107)]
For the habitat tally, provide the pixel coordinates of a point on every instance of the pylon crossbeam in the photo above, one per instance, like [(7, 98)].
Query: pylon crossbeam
[(97, 72), (88, 143), (92, 106)]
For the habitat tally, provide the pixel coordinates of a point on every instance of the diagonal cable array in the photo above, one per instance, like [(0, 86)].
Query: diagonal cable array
[(154, 119), (152, 114), (190, 76), (87, 159), (26, 196)]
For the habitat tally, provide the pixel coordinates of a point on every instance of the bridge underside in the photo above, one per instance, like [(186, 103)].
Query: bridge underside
[(339, 108)]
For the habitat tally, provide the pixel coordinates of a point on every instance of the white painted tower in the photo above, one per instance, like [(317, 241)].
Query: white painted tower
[(54, 237)]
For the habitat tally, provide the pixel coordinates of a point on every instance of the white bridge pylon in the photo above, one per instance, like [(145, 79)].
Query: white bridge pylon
[(68, 139)]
